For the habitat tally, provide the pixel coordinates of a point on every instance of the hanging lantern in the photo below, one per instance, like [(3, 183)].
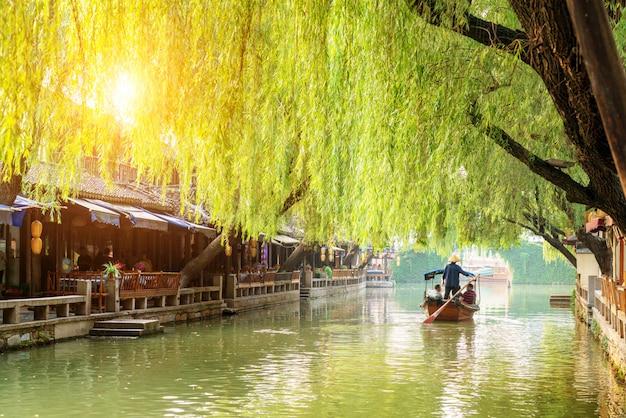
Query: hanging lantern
[(323, 250), (228, 250), (323, 257), (35, 228), (252, 246), (331, 256), (397, 260), (36, 245)]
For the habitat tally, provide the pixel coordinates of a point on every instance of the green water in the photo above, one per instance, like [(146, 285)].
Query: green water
[(350, 356)]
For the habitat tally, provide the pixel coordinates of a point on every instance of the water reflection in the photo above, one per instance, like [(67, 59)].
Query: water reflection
[(365, 354)]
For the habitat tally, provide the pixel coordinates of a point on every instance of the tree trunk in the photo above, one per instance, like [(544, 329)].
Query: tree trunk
[(195, 266), (560, 247), (292, 262), (347, 259), (606, 72), (9, 190), (599, 249)]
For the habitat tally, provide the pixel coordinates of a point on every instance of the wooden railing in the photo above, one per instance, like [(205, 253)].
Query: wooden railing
[(136, 288), (257, 279), (612, 305), (133, 286), (67, 284)]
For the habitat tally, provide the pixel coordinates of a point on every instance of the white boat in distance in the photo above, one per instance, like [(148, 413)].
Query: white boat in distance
[(491, 269)]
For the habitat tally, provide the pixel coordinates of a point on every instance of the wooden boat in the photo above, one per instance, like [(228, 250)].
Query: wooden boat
[(456, 310)]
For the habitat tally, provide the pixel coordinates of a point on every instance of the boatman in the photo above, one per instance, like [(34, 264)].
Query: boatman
[(451, 274)]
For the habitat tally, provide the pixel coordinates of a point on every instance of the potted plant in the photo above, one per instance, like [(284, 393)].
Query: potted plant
[(112, 270)]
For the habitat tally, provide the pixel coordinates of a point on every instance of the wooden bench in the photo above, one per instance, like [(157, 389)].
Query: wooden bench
[(137, 288), (11, 307)]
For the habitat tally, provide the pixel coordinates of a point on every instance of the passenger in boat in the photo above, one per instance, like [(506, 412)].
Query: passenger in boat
[(438, 288), (469, 296), (451, 274), (438, 295)]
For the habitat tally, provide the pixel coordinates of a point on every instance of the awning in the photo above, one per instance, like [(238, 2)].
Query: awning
[(184, 224), (285, 241), (98, 213), (139, 217), (18, 208), (177, 222), (336, 249)]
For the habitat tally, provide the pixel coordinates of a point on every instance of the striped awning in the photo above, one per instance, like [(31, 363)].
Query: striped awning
[(138, 217), (98, 213)]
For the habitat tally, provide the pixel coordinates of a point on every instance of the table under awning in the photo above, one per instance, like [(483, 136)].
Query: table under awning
[(137, 216), (98, 213)]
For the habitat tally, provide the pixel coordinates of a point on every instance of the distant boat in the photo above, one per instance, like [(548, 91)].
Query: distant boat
[(491, 269), (379, 278)]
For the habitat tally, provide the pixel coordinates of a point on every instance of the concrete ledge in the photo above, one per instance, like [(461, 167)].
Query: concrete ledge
[(27, 334), (321, 292)]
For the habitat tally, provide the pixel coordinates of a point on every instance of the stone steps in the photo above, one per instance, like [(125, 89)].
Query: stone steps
[(560, 300), (126, 328)]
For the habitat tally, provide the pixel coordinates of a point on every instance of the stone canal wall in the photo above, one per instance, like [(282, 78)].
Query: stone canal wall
[(599, 309), (29, 333)]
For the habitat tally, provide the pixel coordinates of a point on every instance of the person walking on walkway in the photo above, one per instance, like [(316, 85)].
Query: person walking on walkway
[(451, 274)]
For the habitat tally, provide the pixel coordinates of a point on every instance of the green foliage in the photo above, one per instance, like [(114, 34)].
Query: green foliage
[(361, 105), (413, 266), (595, 329), (604, 343), (529, 266)]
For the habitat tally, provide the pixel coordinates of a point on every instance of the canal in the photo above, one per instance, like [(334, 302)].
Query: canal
[(359, 355)]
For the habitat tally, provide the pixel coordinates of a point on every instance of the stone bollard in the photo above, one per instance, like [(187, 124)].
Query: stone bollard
[(591, 289), (84, 289), (217, 281), (113, 295), (230, 287), (307, 283)]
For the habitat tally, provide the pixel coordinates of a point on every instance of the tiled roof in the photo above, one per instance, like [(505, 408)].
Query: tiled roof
[(96, 188)]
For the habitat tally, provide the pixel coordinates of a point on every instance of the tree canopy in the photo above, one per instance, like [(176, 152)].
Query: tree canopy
[(426, 122)]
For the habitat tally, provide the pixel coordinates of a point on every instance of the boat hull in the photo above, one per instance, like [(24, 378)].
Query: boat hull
[(454, 311)]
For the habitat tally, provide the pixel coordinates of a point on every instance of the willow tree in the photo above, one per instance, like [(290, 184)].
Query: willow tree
[(391, 121)]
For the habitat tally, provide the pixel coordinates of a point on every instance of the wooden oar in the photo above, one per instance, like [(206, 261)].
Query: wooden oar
[(435, 314)]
